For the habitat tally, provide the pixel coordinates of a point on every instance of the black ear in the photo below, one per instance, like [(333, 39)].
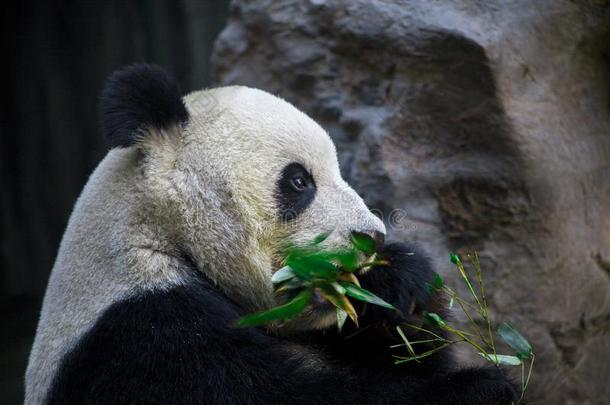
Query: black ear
[(138, 97)]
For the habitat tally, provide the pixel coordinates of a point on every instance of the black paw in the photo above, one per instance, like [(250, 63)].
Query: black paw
[(404, 283), (475, 386)]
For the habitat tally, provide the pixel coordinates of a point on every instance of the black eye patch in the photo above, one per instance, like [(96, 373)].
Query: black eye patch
[(295, 190)]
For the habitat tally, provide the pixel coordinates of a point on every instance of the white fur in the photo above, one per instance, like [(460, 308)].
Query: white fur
[(206, 189)]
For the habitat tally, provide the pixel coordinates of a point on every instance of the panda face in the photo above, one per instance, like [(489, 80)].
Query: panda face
[(248, 175)]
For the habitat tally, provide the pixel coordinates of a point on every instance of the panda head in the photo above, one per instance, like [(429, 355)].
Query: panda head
[(227, 177)]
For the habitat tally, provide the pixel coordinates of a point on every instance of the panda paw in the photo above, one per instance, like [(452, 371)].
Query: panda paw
[(404, 283), (474, 386)]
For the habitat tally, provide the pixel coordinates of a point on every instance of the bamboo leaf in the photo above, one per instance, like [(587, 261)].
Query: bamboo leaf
[(515, 340), (308, 267), (407, 343), (435, 319), (283, 312), (436, 285), (401, 360), (455, 259), (348, 260), (291, 284), (364, 243), (363, 295), (502, 359), (283, 274), (438, 281), (320, 238), (341, 317), (341, 302), (338, 288), (348, 277)]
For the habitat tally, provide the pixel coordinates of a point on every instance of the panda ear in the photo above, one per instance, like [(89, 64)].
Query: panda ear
[(140, 97)]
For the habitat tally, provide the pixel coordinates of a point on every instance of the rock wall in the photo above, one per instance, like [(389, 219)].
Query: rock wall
[(470, 126)]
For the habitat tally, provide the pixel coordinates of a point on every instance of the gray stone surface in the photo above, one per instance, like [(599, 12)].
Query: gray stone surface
[(469, 125)]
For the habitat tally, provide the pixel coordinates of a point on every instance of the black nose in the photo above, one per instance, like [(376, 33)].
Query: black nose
[(376, 236)]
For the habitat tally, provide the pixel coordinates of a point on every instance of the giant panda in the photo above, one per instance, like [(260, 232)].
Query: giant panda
[(177, 234)]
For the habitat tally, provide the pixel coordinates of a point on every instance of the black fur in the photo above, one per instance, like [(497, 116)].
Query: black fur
[(404, 284), (177, 346), (290, 201), (137, 97)]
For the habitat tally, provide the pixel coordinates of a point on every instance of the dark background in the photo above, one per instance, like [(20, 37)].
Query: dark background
[(56, 56)]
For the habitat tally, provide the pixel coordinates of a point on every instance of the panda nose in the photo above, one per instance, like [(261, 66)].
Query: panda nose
[(376, 236)]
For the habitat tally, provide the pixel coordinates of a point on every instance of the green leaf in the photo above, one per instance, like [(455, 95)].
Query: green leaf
[(407, 343), (308, 267), (502, 359), (338, 288), (320, 238), (348, 259), (451, 303), (349, 277), (438, 281), (291, 284), (364, 243), (283, 274), (340, 301), (283, 312), (436, 285), (455, 259), (434, 319), (363, 295), (515, 340)]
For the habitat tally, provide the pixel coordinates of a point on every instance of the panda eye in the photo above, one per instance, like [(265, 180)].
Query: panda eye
[(298, 183), (295, 190)]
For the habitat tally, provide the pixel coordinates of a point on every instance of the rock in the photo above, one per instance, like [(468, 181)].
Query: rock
[(469, 126)]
